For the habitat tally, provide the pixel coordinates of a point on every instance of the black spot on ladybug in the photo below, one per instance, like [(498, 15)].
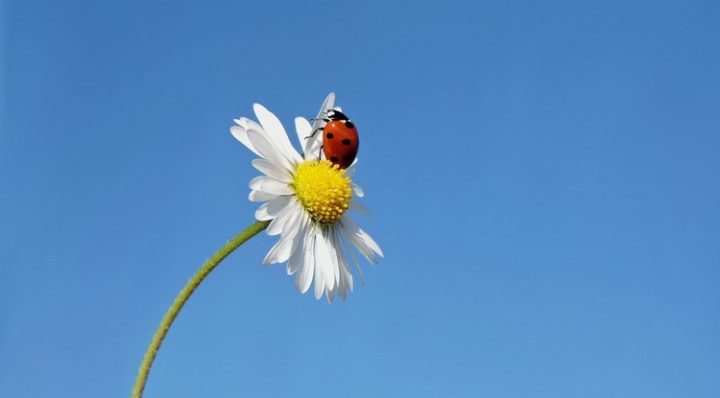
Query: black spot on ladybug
[(349, 124), (334, 159), (346, 141), (329, 135)]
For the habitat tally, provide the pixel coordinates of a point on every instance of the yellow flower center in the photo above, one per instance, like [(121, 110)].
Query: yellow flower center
[(323, 189)]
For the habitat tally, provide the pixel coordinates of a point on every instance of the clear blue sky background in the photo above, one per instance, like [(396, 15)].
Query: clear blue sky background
[(543, 177)]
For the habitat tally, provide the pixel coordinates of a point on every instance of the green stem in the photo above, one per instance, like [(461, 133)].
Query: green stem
[(183, 297)]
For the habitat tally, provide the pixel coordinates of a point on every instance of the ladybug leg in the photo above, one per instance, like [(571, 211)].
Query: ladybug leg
[(320, 152), (315, 132)]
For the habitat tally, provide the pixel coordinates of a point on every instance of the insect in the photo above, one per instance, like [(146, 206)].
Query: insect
[(340, 139)]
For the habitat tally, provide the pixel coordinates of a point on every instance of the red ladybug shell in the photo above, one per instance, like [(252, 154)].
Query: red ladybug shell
[(340, 142)]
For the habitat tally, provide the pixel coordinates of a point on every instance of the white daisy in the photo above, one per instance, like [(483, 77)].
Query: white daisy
[(306, 198)]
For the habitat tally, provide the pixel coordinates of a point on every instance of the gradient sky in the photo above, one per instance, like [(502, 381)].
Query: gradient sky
[(543, 178)]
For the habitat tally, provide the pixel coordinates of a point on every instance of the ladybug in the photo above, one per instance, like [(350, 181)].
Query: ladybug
[(340, 138)]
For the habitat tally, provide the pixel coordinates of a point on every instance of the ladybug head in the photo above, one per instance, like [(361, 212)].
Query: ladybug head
[(333, 114)]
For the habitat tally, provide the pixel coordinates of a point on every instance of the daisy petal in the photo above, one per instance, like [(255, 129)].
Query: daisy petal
[(270, 256), (303, 130), (362, 241), (359, 208), (248, 124), (296, 257), (277, 225), (318, 122), (370, 242), (348, 246), (269, 210), (267, 150), (345, 284), (294, 219), (298, 254), (304, 276), (240, 133), (269, 169), (320, 270), (284, 250), (279, 253), (276, 133), (261, 196), (357, 190), (334, 270), (277, 205), (325, 264), (270, 185), (261, 213)]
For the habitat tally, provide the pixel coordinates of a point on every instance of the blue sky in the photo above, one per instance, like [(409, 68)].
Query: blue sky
[(543, 178)]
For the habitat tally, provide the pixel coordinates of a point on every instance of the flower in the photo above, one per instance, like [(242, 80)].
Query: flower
[(306, 199)]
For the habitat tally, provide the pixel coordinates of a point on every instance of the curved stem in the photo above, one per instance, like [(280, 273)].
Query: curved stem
[(183, 297)]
